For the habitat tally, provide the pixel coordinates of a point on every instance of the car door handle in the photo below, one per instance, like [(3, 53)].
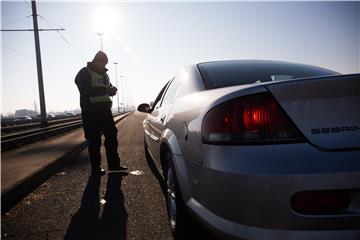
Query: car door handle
[(162, 119)]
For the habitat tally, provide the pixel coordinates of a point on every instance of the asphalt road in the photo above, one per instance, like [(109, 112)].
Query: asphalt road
[(72, 205)]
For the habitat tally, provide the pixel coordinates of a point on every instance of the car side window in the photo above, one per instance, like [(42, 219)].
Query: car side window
[(157, 101), (171, 92), (157, 105)]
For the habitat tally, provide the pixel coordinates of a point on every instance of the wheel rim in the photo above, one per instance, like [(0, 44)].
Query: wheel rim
[(171, 197)]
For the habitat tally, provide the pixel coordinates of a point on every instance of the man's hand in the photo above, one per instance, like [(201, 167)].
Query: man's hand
[(112, 91)]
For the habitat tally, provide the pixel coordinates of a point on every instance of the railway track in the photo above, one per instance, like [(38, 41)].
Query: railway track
[(13, 140), (5, 130)]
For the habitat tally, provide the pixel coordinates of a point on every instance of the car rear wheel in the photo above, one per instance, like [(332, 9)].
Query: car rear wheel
[(177, 213)]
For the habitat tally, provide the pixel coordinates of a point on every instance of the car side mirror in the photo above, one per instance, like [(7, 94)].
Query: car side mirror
[(144, 107)]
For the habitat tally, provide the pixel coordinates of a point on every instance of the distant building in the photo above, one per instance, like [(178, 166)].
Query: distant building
[(25, 112)]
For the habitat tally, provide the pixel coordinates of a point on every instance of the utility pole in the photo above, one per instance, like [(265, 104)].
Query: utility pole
[(44, 122), (100, 34), (117, 86), (122, 88), (35, 107), (36, 30)]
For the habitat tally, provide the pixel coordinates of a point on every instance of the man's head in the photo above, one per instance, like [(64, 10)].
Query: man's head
[(100, 60)]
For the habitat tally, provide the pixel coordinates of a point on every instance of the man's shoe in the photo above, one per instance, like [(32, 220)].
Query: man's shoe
[(116, 167), (98, 171), (122, 168)]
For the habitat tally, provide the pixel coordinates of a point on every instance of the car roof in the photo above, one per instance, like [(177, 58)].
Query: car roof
[(255, 62)]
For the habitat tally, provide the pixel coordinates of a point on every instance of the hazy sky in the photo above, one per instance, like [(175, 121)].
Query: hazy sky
[(153, 41)]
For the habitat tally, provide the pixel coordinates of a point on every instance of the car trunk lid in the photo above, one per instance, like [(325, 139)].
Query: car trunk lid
[(326, 109)]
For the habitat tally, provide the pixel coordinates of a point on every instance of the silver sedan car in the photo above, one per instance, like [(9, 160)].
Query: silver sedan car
[(259, 149)]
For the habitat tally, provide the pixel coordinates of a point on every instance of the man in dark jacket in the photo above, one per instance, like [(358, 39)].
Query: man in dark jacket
[(95, 91)]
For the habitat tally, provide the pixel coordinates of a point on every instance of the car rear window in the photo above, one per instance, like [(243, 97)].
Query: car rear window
[(229, 73)]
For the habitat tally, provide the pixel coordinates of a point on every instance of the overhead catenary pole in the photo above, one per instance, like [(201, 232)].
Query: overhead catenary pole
[(39, 67), (117, 86), (38, 59), (122, 88), (101, 34)]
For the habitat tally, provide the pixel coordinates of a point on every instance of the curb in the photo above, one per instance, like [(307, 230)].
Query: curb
[(20, 190)]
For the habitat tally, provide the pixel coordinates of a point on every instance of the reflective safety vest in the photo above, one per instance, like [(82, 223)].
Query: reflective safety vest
[(99, 85)]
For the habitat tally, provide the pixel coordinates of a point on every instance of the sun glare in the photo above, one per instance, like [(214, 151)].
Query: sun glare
[(105, 20)]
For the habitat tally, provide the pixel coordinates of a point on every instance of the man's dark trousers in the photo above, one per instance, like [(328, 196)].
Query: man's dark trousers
[(98, 121)]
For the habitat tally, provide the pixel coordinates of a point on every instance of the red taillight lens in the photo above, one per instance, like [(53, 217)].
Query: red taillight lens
[(253, 119), (320, 202)]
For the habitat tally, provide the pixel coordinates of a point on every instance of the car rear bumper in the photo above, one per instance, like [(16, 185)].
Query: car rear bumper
[(246, 192), (225, 229)]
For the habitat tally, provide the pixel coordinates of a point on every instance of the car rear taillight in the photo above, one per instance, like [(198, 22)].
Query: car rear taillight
[(252, 119)]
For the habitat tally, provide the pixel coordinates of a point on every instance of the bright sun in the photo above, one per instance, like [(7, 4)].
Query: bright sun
[(105, 20)]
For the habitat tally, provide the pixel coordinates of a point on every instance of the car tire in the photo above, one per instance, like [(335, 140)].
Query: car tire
[(178, 215)]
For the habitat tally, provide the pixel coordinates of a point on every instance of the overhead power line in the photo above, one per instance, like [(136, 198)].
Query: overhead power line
[(15, 21), (61, 36), (16, 52), (31, 30), (38, 59), (27, 3)]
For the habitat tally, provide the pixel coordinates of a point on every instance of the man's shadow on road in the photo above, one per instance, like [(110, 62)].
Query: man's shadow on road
[(90, 222)]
